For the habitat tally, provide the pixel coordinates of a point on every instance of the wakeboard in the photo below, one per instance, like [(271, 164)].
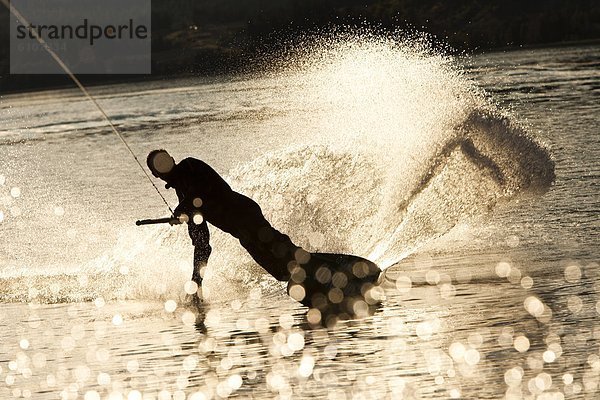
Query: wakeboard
[(335, 283)]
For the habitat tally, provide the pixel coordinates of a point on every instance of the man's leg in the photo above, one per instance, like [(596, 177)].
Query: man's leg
[(200, 239), (201, 254)]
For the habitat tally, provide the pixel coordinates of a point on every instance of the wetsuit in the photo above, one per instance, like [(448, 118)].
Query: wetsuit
[(201, 189)]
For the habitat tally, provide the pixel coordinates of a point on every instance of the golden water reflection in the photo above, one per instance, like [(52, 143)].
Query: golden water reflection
[(438, 334)]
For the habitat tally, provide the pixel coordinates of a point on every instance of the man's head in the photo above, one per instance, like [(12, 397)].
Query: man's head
[(160, 163)]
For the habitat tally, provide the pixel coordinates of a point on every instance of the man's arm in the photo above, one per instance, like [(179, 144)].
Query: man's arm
[(185, 206)]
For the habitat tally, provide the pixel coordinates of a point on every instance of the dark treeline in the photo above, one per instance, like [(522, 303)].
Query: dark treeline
[(220, 36)]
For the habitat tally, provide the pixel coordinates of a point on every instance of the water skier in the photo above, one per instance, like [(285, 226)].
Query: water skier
[(204, 196)]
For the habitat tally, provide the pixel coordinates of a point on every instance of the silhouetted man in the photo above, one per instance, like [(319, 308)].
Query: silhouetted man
[(205, 197)]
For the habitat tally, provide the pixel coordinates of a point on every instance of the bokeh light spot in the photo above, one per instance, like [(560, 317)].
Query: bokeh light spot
[(313, 316), (526, 282), (403, 284), (170, 306), (534, 306), (503, 269), (117, 319), (573, 273), (297, 292), (198, 218), (190, 287), (521, 344)]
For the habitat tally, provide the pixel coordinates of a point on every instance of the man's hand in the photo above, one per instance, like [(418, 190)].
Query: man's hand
[(175, 221), (181, 218)]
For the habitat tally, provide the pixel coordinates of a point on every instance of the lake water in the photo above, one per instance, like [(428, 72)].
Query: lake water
[(473, 181)]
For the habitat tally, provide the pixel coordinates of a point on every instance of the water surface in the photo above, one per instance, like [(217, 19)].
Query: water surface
[(435, 168)]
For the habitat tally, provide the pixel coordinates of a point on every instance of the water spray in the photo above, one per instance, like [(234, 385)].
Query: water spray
[(87, 94)]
